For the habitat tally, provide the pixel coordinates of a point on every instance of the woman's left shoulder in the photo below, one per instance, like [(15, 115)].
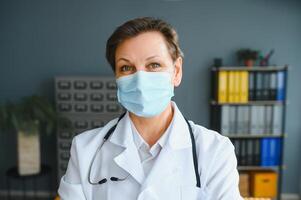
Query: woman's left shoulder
[(208, 138)]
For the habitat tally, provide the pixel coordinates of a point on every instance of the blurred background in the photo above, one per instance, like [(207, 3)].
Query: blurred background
[(52, 65)]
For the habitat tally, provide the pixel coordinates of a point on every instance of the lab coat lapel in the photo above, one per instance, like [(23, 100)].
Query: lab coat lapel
[(99, 170), (103, 165), (128, 159)]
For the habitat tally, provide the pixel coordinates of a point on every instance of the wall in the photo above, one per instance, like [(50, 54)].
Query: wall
[(43, 39)]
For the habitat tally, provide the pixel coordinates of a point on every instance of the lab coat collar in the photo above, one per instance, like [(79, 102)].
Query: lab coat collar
[(168, 160), (122, 135), (128, 159), (179, 137)]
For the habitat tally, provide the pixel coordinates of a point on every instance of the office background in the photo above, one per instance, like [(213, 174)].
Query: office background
[(43, 39)]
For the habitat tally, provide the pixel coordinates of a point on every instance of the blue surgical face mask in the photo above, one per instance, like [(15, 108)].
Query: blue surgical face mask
[(145, 94)]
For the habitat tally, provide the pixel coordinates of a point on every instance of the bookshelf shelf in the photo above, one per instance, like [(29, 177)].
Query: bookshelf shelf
[(250, 136), (254, 68), (255, 103), (258, 168), (252, 115)]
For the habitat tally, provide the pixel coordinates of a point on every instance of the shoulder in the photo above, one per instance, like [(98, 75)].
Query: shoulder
[(218, 164), (210, 140)]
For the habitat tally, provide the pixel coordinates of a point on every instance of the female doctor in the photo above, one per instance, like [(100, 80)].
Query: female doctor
[(151, 152)]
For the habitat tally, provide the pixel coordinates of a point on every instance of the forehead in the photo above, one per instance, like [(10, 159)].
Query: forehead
[(143, 45)]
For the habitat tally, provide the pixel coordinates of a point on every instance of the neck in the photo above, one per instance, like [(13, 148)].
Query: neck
[(151, 129)]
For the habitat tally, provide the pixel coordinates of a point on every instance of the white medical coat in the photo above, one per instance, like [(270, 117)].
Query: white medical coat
[(171, 178)]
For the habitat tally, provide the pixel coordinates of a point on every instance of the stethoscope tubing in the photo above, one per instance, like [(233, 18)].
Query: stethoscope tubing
[(110, 132)]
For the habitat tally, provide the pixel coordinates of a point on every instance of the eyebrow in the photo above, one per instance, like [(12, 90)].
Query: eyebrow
[(122, 59), (152, 57), (129, 61)]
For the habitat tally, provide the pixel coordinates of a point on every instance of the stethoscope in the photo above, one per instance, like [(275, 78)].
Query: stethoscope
[(109, 133)]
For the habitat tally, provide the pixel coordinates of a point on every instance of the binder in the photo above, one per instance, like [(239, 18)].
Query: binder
[(231, 83), (222, 87), (232, 120), (277, 128), (268, 119), (244, 90), (265, 152), (244, 151), (259, 86), (250, 152), (254, 151), (257, 152), (278, 146), (245, 120), (225, 120), (275, 150), (265, 86), (251, 86), (280, 85), (237, 86), (270, 151), (272, 154), (278, 151), (273, 85), (239, 121), (253, 120), (260, 119)]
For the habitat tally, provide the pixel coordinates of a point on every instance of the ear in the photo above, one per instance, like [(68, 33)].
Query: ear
[(178, 72)]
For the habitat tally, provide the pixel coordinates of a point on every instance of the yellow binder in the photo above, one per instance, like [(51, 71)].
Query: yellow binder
[(237, 87), (231, 83), (244, 90), (222, 87)]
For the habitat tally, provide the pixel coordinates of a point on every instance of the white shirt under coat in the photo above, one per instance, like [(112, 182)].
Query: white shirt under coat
[(148, 154), (171, 176)]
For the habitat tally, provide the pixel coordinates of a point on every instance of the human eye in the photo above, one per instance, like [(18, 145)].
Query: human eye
[(126, 68), (154, 66)]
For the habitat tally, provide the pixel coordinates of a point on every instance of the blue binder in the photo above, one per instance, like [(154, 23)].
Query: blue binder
[(280, 85), (264, 156), (270, 151)]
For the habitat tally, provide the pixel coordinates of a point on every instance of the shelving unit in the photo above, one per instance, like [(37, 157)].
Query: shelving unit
[(219, 104)]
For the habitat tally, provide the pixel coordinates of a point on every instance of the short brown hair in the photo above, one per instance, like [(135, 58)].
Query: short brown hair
[(139, 25)]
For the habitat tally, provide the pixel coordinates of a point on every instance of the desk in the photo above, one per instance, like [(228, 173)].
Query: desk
[(12, 173)]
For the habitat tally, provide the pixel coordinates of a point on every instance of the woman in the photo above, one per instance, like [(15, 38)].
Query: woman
[(150, 152)]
